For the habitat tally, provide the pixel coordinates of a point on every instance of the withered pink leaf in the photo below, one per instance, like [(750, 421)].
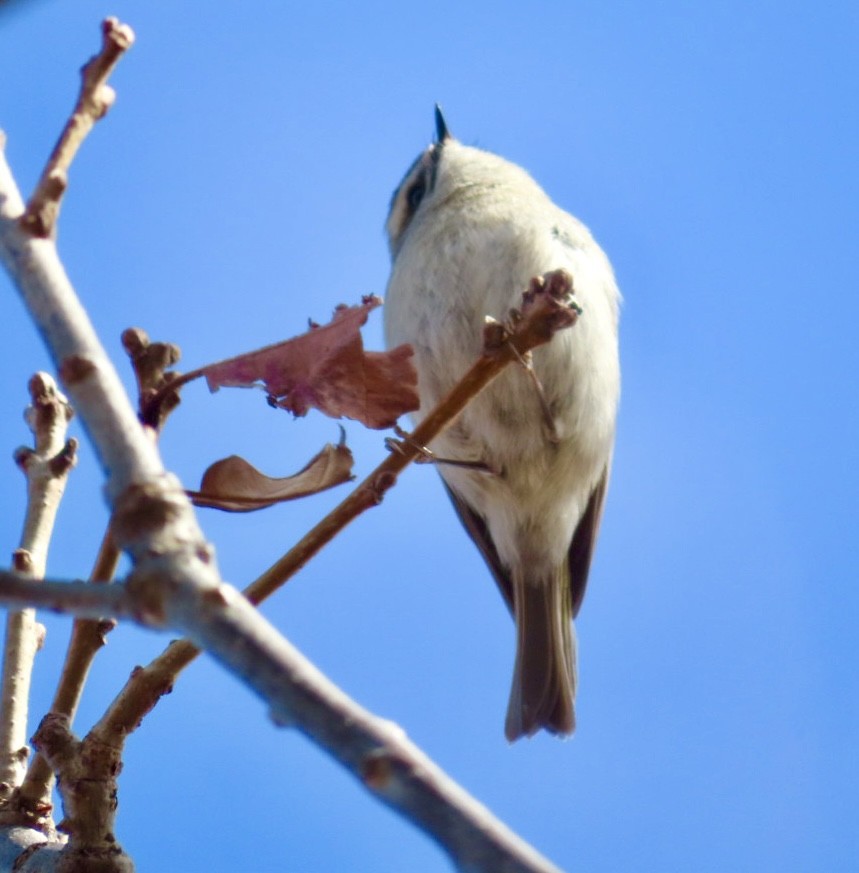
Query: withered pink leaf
[(234, 485), (327, 368)]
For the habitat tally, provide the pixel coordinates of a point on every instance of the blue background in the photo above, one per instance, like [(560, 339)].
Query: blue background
[(239, 186)]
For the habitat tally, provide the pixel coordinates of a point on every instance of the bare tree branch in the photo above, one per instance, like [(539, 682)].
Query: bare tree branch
[(32, 800), (376, 751), (153, 521), (72, 598), (46, 467), (87, 771), (94, 99)]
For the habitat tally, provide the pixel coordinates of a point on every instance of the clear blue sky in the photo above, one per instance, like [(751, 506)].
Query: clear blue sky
[(239, 186)]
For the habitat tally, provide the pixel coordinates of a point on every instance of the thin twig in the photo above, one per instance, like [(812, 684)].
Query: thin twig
[(32, 800), (87, 635), (151, 407), (46, 467), (156, 383), (94, 99), (33, 797), (69, 598)]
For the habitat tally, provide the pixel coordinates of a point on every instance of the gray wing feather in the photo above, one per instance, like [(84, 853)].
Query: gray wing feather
[(584, 540), (478, 531)]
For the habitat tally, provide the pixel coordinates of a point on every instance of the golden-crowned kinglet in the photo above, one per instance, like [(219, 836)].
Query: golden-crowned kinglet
[(467, 231)]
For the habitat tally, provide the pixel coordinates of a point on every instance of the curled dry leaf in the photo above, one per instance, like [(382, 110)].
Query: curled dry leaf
[(234, 485), (328, 368)]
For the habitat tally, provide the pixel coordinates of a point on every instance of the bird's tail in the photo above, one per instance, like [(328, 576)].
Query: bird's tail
[(544, 681)]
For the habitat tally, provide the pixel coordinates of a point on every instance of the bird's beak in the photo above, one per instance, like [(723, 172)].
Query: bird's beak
[(441, 131)]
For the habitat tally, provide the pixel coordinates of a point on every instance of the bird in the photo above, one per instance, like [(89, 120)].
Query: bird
[(467, 230)]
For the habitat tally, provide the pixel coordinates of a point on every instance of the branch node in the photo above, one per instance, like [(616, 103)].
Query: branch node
[(382, 483), (22, 561), (150, 362), (102, 99), (48, 405), (377, 770), (55, 741), (495, 334), (22, 457), (218, 597), (41, 219), (75, 369), (120, 36), (61, 463), (103, 627)]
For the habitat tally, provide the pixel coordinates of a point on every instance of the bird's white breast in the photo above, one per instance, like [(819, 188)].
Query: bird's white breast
[(470, 254)]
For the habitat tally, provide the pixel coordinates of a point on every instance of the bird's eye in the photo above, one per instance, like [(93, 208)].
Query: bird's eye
[(416, 195)]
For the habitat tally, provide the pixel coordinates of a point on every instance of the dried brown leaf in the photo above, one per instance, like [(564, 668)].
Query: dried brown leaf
[(327, 368), (234, 485)]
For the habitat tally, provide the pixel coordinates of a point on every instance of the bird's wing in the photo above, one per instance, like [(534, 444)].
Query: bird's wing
[(478, 531), (584, 540)]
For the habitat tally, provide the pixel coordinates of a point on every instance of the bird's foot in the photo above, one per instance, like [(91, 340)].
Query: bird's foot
[(427, 456)]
